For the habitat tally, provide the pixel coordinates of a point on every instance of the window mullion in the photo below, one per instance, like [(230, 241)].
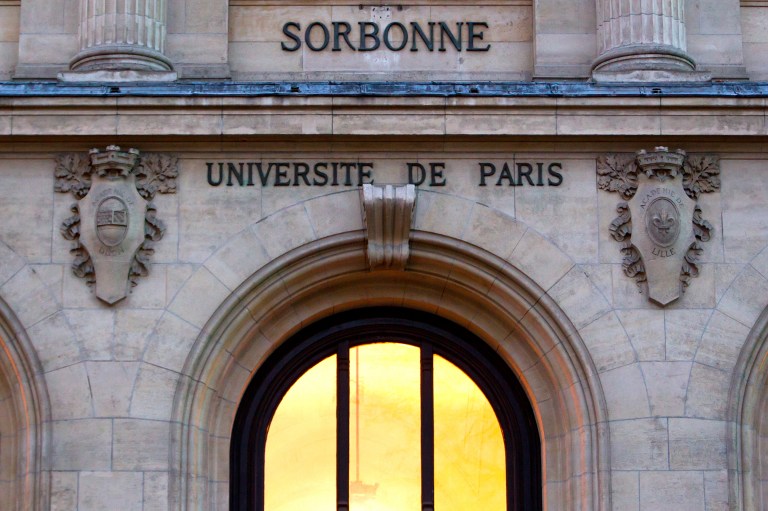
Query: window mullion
[(342, 427), (427, 430)]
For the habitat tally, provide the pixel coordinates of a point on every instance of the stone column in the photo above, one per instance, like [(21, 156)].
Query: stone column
[(121, 40), (643, 40)]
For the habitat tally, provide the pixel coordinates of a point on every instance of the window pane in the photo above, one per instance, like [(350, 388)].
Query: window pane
[(469, 448), (300, 471), (385, 419)]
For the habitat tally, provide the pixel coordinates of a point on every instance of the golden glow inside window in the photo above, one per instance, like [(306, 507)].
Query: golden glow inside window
[(421, 435)]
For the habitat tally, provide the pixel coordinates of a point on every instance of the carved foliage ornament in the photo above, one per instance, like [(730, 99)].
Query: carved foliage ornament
[(660, 223), (113, 225)]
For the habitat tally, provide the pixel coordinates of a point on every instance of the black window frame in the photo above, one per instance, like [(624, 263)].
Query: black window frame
[(336, 335)]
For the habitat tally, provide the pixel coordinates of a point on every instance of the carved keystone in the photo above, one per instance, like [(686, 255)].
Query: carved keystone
[(387, 213), (114, 224), (660, 224)]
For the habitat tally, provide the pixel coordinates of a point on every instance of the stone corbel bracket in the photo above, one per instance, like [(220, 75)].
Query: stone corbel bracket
[(660, 222), (113, 225), (387, 215)]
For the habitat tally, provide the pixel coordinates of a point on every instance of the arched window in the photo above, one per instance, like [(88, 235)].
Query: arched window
[(385, 409)]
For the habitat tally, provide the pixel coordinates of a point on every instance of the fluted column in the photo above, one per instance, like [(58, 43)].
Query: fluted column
[(642, 39), (122, 35)]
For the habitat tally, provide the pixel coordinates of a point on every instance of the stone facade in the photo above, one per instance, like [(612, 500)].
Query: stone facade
[(276, 186)]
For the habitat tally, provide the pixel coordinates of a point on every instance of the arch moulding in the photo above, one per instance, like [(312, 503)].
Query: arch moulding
[(24, 420), (748, 419), (444, 276)]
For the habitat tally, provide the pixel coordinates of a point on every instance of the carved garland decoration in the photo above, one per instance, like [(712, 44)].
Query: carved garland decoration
[(114, 224), (665, 237)]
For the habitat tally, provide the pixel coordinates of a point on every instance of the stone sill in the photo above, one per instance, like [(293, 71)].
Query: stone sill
[(38, 112)]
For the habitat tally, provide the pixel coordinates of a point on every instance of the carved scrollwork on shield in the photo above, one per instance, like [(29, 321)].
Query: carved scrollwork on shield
[(660, 225), (114, 225)]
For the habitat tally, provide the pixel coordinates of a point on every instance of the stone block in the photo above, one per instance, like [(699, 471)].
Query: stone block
[(756, 61), (154, 392), (50, 48), (608, 343), (645, 329), (285, 123), (209, 215), (667, 386), (285, 230), (10, 263), (29, 296), (276, 198), (111, 385), (131, 332), (546, 208), (30, 237), (70, 393), (238, 259), (625, 490), (639, 444), (389, 123), (722, 342), (156, 491), (601, 277), (578, 298), (625, 393), (707, 393), (140, 445), (142, 122), (684, 330), (716, 489), (55, 342), (170, 343), (102, 490), (746, 297), (177, 276), (442, 214), (541, 260), (696, 444), (82, 444), (608, 122), (249, 59), (564, 17), (745, 213), (573, 51), (199, 298), (9, 23), (264, 23), (672, 491), (64, 491), (493, 231), (192, 48), (335, 213), (206, 17), (94, 330), (725, 274)]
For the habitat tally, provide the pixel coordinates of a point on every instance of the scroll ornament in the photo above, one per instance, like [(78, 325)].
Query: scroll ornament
[(387, 215), (660, 223), (114, 224)]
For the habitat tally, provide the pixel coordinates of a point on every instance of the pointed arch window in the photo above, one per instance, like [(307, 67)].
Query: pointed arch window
[(384, 409)]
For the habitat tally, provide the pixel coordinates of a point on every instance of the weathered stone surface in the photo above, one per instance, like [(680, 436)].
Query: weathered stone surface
[(672, 491), (101, 490), (639, 444)]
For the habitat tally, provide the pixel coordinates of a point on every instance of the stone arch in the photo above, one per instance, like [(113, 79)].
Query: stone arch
[(748, 420), (497, 292), (24, 420)]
